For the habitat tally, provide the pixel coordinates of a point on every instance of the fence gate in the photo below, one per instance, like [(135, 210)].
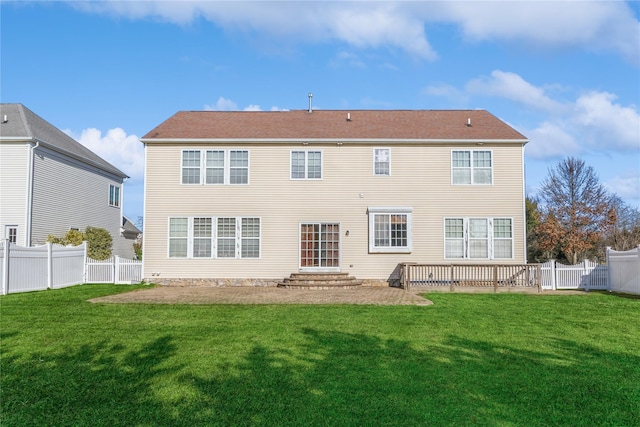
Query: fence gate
[(586, 275), (113, 270)]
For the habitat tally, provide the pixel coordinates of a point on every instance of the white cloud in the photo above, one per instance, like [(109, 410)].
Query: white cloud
[(513, 87), (592, 26), (593, 121), (454, 95), (125, 152), (549, 140), (607, 124), (223, 104), (626, 185)]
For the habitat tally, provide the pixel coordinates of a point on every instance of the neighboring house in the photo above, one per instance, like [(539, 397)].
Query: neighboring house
[(50, 183), (131, 233), (250, 197)]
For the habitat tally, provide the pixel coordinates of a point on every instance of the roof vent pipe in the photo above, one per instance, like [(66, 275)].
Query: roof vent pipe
[(5, 119), (310, 107), (469, 122)]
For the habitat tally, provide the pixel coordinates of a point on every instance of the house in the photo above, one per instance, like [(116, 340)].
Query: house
[(50, 183), (249, 197)]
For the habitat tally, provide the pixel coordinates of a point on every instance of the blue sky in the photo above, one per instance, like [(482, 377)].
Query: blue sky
[(565, 74)]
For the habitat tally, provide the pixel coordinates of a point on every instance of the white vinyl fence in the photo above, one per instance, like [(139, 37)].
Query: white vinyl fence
[(624, 270), (52, 266), (586, 275), (113, 270)]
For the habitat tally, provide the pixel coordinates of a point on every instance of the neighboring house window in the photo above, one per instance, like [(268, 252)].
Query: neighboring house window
[(306, 165), (11, 233), (114, 195), (215, 167), (213, 237), (390, 230), (471, 167), (478, 238), (382, 161)]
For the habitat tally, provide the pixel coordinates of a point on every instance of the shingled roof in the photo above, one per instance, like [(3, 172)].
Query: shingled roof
[(355, 125), (23, 123)]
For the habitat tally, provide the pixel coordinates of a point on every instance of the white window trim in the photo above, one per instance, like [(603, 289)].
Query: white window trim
[(214, 237), (7, 232), (466, 237), (227, 166), (306, 165), (471, 168), (374, 161), (116, 200), (373, 211)]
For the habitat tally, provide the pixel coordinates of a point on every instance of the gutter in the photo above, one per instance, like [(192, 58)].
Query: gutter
[(330, 140)]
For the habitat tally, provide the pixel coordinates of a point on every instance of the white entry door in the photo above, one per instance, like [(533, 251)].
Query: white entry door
[(320, 247)]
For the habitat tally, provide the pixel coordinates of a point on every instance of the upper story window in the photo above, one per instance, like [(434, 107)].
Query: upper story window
[(215, 167), (471, 167), (114, 195), (382, 161), (306, 165), (478, 238), (390, 230)]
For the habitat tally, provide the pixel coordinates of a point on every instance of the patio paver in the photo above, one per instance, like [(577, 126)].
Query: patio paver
[(266, 295)]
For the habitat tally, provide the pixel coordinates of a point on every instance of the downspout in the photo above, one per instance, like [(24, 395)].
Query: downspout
[(524, 208), (29, 214)]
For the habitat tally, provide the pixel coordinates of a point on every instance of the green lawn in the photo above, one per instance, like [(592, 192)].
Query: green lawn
[(481, 359)]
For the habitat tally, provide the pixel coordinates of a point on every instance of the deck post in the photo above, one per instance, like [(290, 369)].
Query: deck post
[(451, 279)]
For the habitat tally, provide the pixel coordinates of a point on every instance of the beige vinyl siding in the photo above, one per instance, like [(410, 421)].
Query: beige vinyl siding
[(421, 180), (69, 194), (14, 167)]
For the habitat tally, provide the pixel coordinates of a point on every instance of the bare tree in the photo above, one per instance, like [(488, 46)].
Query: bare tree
[(625, 232), (577, 210)]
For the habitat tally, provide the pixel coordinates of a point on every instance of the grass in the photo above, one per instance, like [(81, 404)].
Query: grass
[(482, 359)]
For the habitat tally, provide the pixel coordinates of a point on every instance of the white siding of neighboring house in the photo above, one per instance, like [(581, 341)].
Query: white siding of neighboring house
[(69, 194), (14, 166), (420, 179)]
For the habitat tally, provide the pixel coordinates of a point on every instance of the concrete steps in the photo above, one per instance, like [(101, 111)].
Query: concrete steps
[(320, 281)]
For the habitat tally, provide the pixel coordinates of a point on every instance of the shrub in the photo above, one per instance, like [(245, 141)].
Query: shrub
[(99, 242)]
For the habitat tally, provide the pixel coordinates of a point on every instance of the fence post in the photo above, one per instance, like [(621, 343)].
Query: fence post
[(608, 269), (116, 269), (587, 276), (5, 268), (49, 265), (553, 274), (86, 265)]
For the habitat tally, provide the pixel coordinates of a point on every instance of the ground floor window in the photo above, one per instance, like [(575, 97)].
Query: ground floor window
[(390, 230), (478, 238), (214, 237), (11, 233)]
